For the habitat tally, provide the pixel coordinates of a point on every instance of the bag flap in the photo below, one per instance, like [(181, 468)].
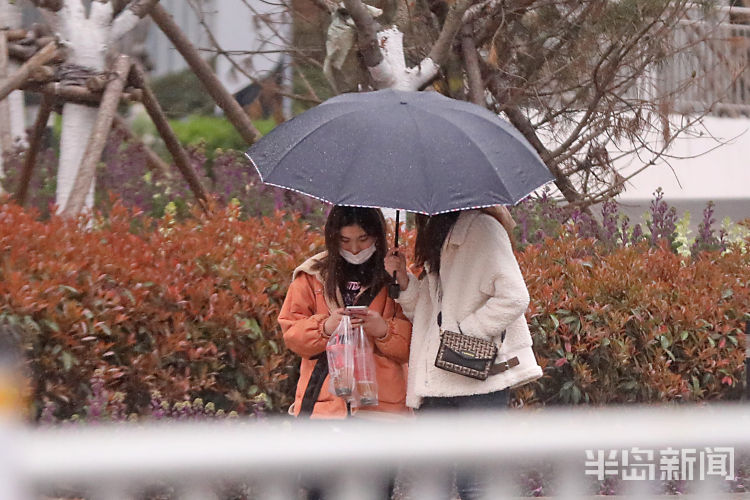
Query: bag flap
[(465, 359)]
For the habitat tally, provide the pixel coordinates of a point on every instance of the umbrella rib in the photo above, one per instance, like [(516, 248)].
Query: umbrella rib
[(462, 133), (425, 175), (494, 121)]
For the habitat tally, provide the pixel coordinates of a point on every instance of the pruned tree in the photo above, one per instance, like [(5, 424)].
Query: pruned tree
[(583, 80), (77, 66), (87, 30)]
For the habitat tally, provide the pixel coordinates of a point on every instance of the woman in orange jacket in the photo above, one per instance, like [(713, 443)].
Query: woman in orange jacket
[(350, 272)]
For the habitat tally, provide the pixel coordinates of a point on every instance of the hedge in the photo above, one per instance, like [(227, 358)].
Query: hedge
[(188, 309), (638, 324)]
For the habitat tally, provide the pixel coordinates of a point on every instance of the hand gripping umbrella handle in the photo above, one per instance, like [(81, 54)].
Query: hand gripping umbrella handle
[(394, 289)]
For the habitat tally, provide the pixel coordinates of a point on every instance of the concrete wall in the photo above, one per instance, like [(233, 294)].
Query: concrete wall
[(701, 169), (235, 28)]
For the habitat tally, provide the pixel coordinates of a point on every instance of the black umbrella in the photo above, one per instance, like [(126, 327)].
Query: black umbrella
[(416, 151)]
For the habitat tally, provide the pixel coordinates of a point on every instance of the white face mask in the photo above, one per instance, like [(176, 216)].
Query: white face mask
[(359, 258)]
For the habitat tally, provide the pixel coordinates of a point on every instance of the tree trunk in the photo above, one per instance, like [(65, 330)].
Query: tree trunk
[(86, 37), (5, 137), (10, 16), (98, 139)]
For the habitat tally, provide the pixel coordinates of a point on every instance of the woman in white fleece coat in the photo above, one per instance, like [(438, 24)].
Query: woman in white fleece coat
[(471, 280)]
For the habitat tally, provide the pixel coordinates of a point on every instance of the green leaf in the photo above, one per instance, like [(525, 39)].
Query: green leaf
[(629, 385), (103, 326), (241, 380), (665, 342), (251, 325), (69, 289), (570, 319), (576, 394), (274, 346), (727, 293), (52, 325), (129, 295), (68, 360), (555, 321)]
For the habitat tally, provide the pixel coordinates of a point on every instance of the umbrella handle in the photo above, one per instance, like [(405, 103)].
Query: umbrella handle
[(394, 289)]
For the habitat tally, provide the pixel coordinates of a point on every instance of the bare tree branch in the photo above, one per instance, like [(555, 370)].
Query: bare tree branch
[(142, 7), (76, 93), (15, 80), (453, 21), (181, 159), (234, 112), (128, 18), (51, 5), (35, 143), (471, 63), (153, 160), (520, 121), (367, 29)]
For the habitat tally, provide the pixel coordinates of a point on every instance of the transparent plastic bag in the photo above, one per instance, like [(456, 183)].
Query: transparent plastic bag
[(340, 353), (366, 393)]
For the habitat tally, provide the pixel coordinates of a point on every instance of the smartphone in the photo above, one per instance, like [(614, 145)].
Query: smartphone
[(356, 308)]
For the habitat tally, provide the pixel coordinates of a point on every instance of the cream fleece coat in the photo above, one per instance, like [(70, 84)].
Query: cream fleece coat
[(484, 291)]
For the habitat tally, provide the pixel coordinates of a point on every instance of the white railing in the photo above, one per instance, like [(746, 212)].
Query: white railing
[(570, 446), (709, 71), (713, 69)]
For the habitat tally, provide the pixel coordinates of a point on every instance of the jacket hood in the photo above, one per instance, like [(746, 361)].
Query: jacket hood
[(308, 267)]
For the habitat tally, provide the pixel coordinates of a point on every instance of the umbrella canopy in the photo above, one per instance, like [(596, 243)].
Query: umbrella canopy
[(416, 151)]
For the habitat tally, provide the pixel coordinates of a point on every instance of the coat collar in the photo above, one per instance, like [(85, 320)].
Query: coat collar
[(458, 233)]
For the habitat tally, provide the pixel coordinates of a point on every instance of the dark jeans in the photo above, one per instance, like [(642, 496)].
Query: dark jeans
[(470, 486)]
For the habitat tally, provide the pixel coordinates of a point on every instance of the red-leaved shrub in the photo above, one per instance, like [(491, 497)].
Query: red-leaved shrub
[(636, 324), (189, 309)]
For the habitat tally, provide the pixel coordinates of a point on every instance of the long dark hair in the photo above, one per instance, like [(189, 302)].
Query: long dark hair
[(431, 234), (433, 230), (331, 268)]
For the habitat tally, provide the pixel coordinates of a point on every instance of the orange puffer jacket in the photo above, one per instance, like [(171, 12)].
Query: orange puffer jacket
[(302, 316)]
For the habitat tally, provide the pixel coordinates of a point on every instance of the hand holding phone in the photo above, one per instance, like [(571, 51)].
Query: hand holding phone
[(373, 323)]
